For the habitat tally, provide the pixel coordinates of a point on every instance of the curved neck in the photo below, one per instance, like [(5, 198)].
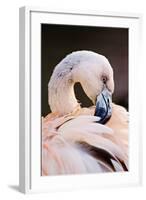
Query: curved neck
[(62, 97)]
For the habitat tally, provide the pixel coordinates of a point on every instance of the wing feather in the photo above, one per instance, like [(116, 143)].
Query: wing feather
[(76, 144)]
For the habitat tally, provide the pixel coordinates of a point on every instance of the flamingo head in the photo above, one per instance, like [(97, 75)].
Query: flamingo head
[(96, 77)]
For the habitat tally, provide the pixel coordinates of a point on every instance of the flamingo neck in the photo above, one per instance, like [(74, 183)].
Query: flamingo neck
[(62, 97)]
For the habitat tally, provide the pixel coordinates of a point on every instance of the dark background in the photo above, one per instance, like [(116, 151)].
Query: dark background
[(59, 40)]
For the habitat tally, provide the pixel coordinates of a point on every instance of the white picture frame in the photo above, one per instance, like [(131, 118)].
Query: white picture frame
[(30, 156)]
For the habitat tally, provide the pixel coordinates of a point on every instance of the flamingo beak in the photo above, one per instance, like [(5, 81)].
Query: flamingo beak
[(103, 108)]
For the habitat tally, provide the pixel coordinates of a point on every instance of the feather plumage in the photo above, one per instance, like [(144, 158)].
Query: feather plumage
[(76, 144)]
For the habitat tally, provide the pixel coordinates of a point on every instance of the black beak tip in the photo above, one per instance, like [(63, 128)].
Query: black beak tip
[(103, 108)]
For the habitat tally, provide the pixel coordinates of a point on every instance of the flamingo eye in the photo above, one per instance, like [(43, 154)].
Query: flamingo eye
[(104, 79)]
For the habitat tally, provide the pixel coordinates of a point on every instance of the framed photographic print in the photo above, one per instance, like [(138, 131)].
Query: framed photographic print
[(79, 119)]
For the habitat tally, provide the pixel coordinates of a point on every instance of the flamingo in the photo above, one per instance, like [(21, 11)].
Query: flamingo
[(79, 140)]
